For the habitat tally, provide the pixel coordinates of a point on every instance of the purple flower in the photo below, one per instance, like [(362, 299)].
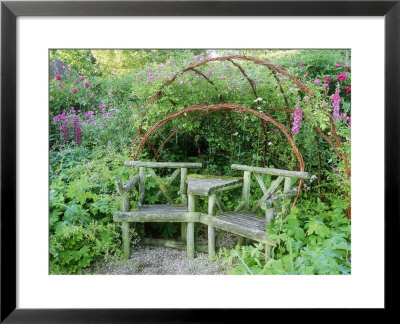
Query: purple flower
[(74, 90), (58, 77), (338, 64), (173, 60), (91, 95), (77, 81), (82, 77), (69, 69), (301, 63), (61, 86), (141, 107), (87, 85), (297, 114), (112, 73)]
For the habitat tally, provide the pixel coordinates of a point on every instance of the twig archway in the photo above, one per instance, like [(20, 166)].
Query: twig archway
[(229, 107)]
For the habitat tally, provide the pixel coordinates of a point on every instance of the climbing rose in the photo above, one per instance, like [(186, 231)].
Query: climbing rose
[(297, 114), (61, 86), (325, 85), (328, 80), (58, 77), (347, 89), (87, 85), (338, 64), (341, 77), (82, 77), (74, 90), (301, 63), (335, 103)]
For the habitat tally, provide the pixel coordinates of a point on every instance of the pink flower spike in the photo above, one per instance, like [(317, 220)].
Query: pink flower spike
[(74, 90)]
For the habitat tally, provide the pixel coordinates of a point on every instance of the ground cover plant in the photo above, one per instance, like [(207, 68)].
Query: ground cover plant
[(102, 102)]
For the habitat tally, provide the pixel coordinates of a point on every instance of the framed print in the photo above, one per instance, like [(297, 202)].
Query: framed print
[(206, 146)]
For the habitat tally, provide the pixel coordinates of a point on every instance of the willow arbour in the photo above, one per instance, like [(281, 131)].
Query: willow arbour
[(332, 138)]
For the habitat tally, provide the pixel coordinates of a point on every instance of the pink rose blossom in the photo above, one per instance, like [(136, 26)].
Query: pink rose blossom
[(325, 85), (58, 77), (347, 67), (87, 85), (338, 64), (341, 77)]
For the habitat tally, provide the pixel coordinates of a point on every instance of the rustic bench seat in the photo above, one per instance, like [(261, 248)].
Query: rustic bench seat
[(244, 224), (157, 213)]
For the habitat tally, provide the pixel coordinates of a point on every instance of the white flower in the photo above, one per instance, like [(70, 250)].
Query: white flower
[(259, 108), (269, 143), (258, 99), (313, 177), (235, 134)]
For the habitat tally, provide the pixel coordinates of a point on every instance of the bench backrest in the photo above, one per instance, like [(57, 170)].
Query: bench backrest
[(284, 176), (148, 167)]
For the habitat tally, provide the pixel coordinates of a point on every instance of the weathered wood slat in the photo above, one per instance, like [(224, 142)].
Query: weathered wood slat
[(183, 187), (232, 226), (288, 184), (170, 180), (161, 185), (157, 213), (131, 182), (173, 244), (260, 182), (163, 164), (275, 172), (205, 187), (269, 192)]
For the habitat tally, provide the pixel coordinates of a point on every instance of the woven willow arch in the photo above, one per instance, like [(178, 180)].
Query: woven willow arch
[(220, 107)]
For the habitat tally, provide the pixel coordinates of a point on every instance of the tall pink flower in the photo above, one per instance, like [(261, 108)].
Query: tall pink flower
[(336, 104), (297, 115), (341, 77)]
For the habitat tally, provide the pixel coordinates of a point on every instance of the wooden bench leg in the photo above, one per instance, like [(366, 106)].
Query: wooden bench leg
[(211, 242), (267, 251), (190, 240), (183, 231), (190, 227), (125, 240)]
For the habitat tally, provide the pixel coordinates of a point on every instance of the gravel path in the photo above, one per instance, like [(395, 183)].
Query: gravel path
[(151, 260)]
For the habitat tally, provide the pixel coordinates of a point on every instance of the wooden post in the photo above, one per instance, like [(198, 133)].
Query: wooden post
[(269, 214), (142, 184), (246, 190), (125, 228), (288, 185), (183, 190), (190, 228), (211, 232), (267, 251), (183, 187)]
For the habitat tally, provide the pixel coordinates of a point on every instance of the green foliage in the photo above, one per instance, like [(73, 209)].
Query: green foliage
[(313, 239)]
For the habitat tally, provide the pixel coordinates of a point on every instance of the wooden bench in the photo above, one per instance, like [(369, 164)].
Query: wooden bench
[(247, 223), (242, 222), (170, 212)]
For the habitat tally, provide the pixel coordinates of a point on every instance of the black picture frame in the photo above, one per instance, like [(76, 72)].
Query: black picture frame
[(10, 10)]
